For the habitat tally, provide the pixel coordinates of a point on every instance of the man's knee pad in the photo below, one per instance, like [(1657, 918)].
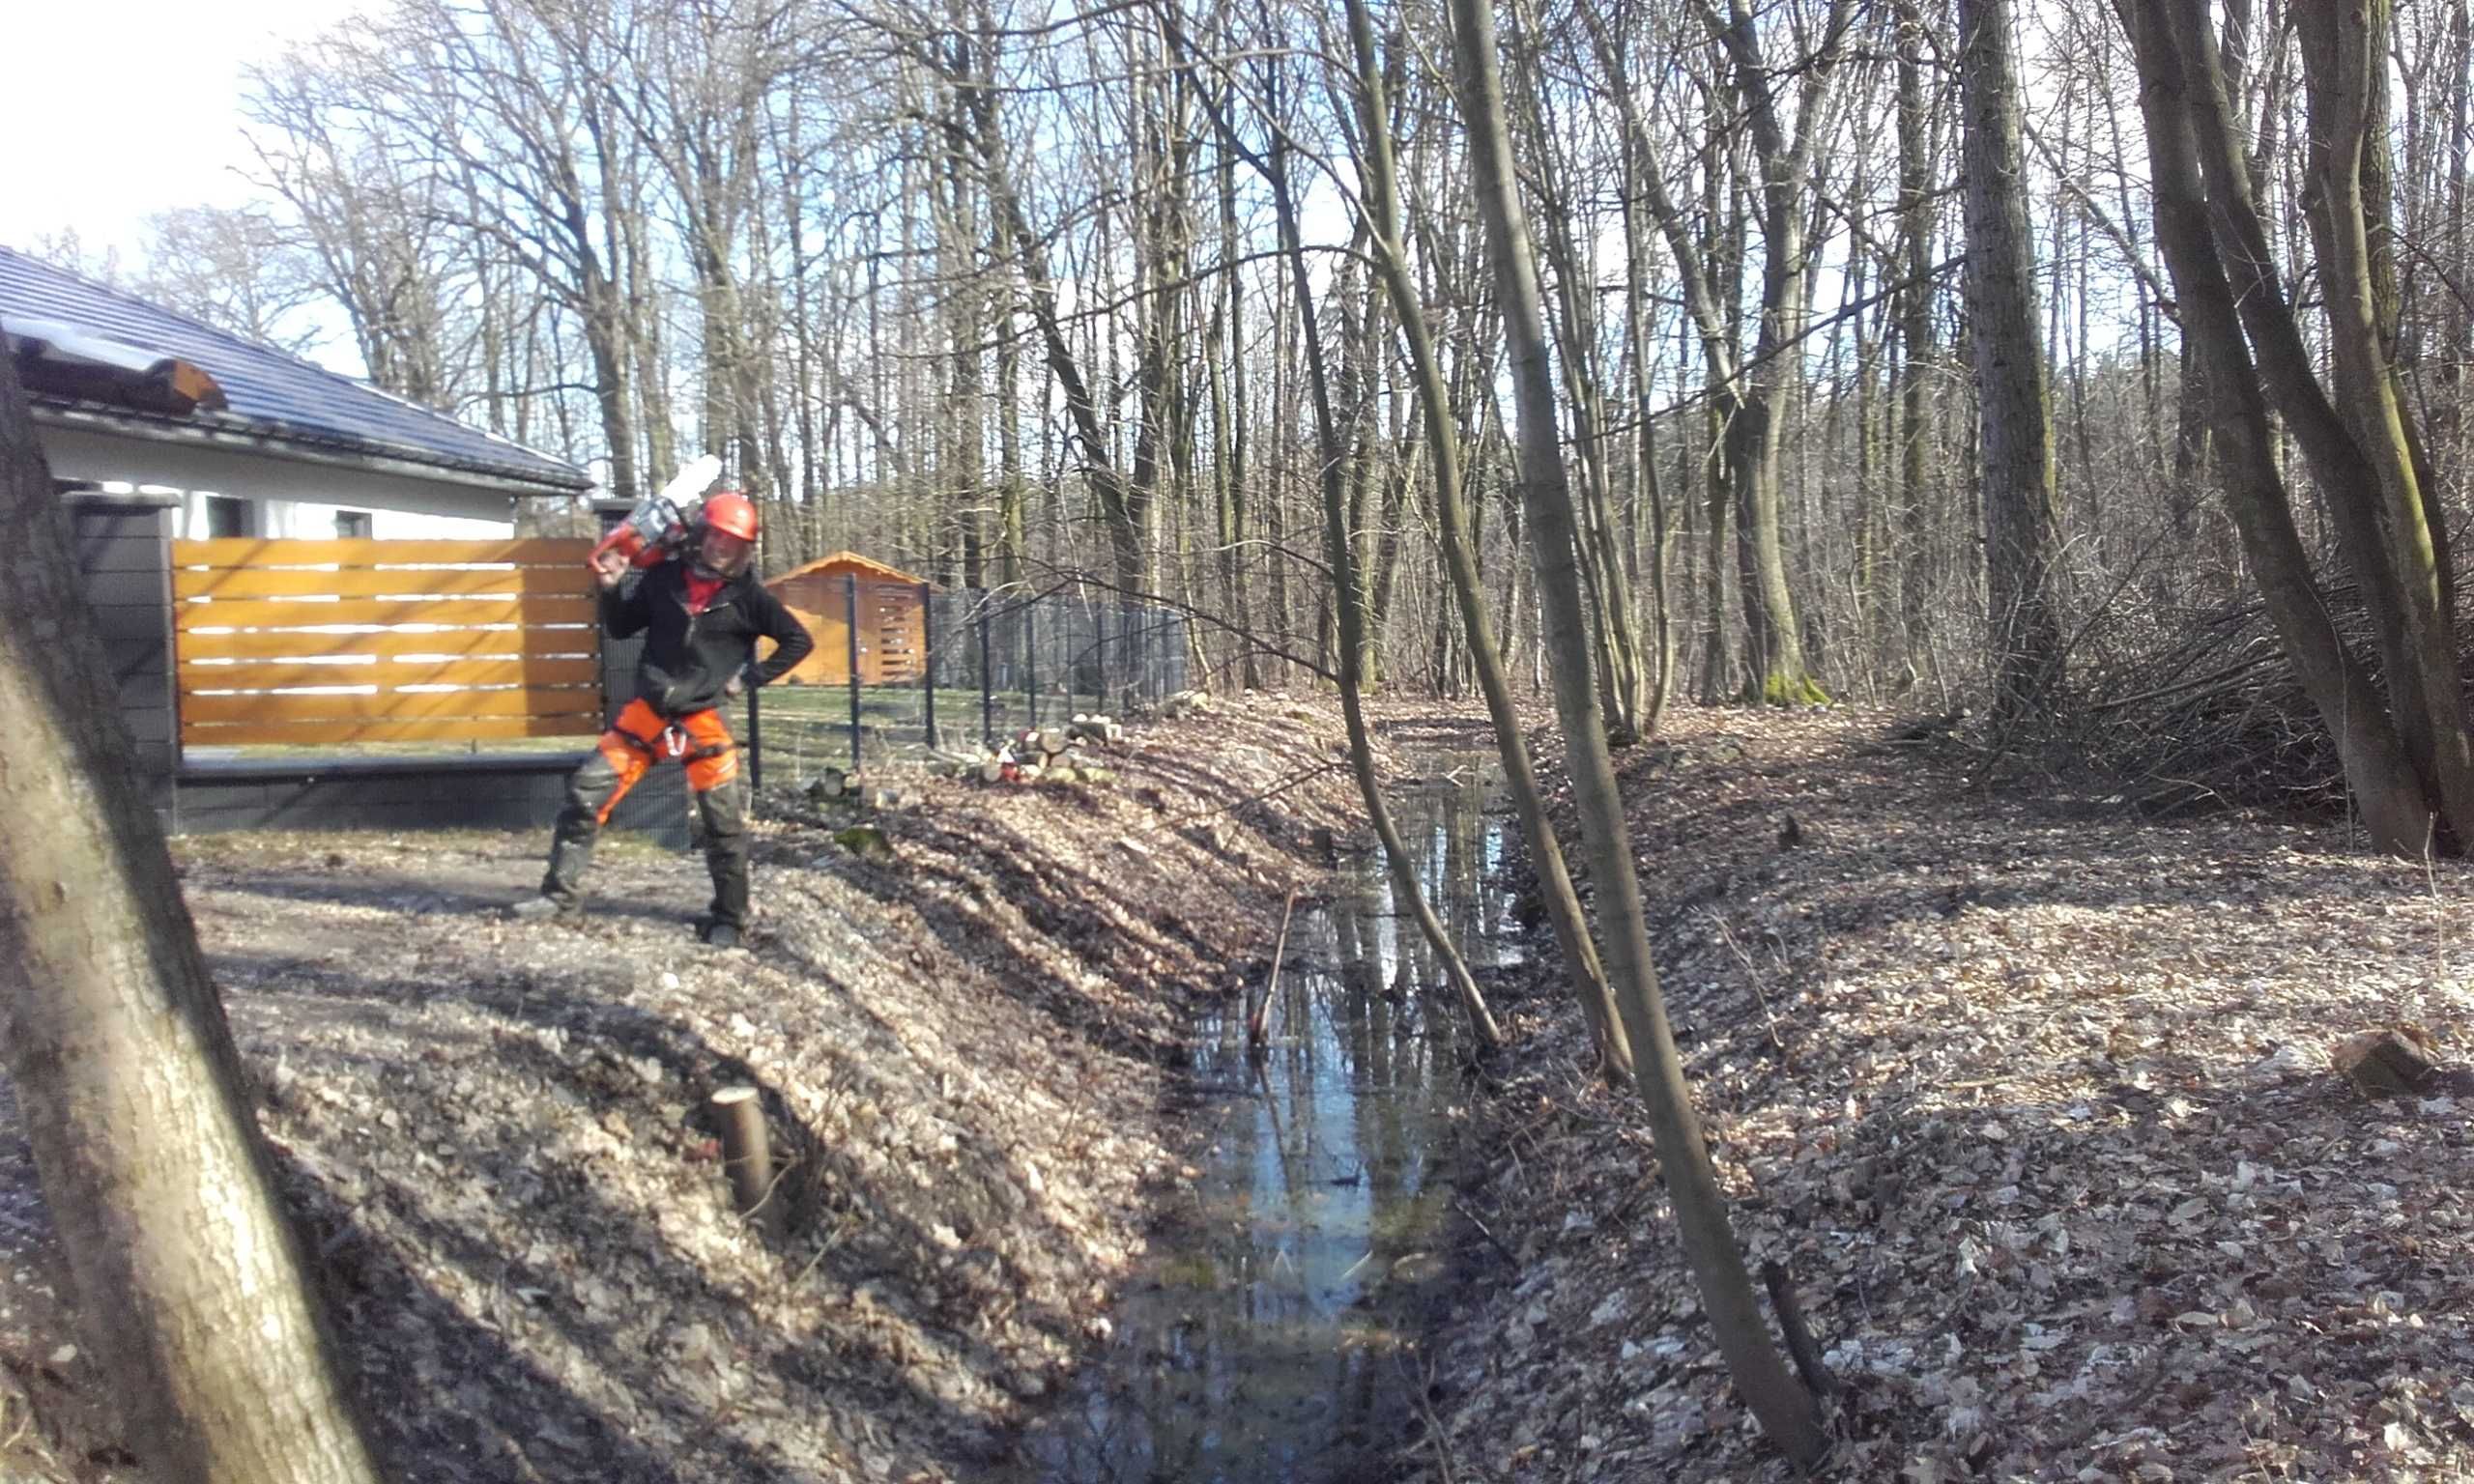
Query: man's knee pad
[(591, 781), (724, 812)]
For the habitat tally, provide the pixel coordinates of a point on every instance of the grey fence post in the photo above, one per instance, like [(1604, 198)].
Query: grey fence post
[(755, 728), (853, 581), (928, 637), (987, 679), (125, 573), (1031, 657)]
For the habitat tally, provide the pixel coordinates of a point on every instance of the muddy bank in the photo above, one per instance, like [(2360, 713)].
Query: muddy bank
[(2032, 1099), (495, 1132)]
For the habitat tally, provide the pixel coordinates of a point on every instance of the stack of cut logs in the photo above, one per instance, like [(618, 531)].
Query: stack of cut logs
[(833, 784), (1043, 754)]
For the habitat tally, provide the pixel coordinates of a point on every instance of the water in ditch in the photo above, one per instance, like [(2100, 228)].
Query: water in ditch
[(1267, 1336)]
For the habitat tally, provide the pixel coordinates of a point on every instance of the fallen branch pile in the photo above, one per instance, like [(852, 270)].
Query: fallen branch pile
[(2201, 710)]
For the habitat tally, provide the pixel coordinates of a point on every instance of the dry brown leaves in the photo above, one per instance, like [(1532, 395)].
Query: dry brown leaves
[(2034, 1100)]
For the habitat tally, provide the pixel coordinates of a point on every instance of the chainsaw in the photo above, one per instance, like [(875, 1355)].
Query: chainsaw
[(659, 525)]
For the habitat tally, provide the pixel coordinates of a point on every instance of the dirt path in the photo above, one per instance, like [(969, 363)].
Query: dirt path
[(2032, 1099), (496, 1132)]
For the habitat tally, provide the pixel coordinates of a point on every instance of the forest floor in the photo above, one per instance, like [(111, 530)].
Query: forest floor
[(497, 1133), (2032, 1098)]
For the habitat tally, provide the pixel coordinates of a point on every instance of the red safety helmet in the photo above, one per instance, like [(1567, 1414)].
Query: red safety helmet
[(731, 513)]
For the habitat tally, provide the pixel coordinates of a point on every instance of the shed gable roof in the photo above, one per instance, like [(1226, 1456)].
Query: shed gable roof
[(867, 565), (273, 396)]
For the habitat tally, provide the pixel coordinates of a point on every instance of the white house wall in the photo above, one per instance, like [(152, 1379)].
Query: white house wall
[(293, 499)]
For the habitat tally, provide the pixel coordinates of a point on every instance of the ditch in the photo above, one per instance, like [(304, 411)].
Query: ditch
[(1271, 1333)]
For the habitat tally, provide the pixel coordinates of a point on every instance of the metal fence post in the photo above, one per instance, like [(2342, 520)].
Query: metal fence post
[(1031, 657), (1100, 658), (853, 581), (987, 679), (755, 731), (927, 635)]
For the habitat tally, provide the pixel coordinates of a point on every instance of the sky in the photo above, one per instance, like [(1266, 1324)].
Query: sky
[(132, 109)]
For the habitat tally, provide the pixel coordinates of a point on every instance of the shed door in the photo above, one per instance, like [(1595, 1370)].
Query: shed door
[(890, 614)]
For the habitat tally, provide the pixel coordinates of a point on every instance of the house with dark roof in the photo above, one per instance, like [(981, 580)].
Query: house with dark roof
[(253, 441), (168, 438)]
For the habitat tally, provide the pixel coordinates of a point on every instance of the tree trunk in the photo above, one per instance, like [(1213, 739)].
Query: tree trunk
[(1443, 445), (1916, 330), (2377, 767), (1781, 1403), (2021, 540), (1350, 617), (191, 1282), (2345, 61)]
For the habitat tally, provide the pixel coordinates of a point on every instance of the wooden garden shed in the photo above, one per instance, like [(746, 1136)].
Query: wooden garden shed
[(893, 621)]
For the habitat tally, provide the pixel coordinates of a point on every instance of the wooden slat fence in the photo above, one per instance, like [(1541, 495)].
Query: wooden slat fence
[(317, 643)]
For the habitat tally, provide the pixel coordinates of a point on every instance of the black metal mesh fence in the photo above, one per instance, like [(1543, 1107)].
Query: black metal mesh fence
[(953, 670)]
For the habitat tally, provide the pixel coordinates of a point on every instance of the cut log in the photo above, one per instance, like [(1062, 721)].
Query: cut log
[(1092, 775), (992, 771), (2383, 1064), (866, 841), (1051, 740), (746, 1156), (831, 783), (1059, 773)]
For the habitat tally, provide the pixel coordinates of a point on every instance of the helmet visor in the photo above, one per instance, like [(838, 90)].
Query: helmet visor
[(723, 553)]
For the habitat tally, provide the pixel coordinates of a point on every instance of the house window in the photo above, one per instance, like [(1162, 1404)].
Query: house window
[(226, 517), (352, 525)]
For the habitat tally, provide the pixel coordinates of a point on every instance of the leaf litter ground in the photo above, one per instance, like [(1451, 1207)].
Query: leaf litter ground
[(2033, 1100), (2030, 1097)]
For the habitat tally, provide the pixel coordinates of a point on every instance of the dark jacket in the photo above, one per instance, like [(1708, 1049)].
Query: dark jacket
[(689, 657)]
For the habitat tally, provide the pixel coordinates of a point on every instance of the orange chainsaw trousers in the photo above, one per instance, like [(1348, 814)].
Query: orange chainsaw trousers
[(639, 738), (636, 741)]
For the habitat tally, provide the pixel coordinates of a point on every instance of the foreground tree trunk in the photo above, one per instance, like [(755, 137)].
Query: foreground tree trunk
[(1782, 1404), (2021, 540), (190, 1279), (1460, 563)]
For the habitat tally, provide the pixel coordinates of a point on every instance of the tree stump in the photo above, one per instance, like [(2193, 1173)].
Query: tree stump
[(2383, 1064)]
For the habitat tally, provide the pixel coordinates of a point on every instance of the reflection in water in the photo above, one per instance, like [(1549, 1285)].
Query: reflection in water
[(1263, 1341)]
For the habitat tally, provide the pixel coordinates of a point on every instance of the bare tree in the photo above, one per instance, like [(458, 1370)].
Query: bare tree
[(2022, 541), (1784, 1407), (190, 1280)]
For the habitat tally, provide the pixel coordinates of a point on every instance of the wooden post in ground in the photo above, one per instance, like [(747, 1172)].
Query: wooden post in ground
[(747, 1156)]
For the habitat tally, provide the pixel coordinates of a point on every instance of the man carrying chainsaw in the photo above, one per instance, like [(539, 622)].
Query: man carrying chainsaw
[(700, 611)]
